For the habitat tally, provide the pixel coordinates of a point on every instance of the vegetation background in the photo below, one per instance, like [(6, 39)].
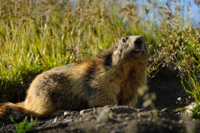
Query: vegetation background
[(38, 35)]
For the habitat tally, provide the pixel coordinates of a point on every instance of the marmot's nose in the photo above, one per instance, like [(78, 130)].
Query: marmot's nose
[(139, 41)]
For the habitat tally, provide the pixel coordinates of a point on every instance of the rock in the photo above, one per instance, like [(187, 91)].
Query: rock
[(104, 116)]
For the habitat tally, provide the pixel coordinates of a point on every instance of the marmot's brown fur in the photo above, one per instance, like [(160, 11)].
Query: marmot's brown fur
[(107, 79)]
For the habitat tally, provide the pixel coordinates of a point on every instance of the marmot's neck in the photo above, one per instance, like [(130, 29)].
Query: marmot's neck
[(121, 69)]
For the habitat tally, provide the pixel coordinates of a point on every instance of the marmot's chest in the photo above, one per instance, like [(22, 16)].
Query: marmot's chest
[(129, 88)]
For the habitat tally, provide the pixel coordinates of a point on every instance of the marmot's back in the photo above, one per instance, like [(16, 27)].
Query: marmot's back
[(107, 79)]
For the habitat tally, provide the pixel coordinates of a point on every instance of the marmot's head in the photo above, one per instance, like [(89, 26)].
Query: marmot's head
[(130, 48)]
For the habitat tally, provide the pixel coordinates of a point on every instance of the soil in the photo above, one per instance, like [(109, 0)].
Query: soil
[(168, 115)]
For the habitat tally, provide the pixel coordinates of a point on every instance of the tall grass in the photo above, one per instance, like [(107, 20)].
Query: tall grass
[(38, 35)]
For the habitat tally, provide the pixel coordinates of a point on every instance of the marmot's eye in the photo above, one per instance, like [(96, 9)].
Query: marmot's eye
[(124, 39)]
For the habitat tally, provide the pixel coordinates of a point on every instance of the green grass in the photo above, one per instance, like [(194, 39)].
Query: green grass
[(196, 112), (41, 36), (35, 37), (25, 125)]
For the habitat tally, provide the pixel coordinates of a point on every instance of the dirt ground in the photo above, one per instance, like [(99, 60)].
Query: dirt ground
[(167, 118)]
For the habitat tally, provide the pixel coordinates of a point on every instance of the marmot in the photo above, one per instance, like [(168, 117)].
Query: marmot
[(107, 79)]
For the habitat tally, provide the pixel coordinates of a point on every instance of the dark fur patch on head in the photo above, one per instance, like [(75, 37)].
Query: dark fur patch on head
[(105, 58), (108, 60)]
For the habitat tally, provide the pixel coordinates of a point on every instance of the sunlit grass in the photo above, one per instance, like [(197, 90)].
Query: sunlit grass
[(42, 35)]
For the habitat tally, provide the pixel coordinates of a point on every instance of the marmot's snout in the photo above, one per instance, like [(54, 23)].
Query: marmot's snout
[(139, 44)]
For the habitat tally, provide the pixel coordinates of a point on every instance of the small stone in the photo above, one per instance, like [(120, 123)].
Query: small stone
[(104, 116), (68, 120), (149, 119), (66, 113), (55, 120), (82, 112), (165, 110), (179, 98), (85, 111)]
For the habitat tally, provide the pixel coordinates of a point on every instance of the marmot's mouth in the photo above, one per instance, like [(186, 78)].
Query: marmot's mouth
[(138, 49)]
